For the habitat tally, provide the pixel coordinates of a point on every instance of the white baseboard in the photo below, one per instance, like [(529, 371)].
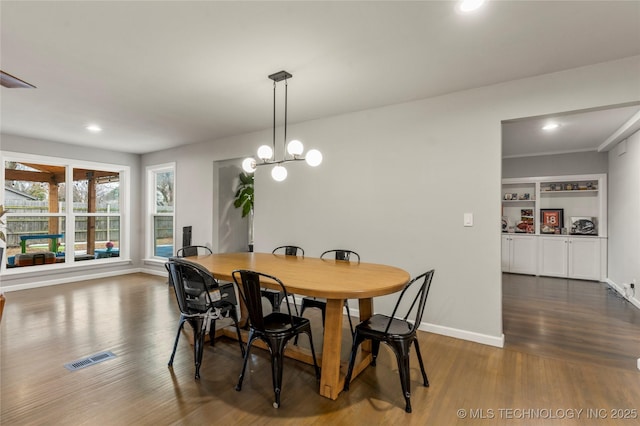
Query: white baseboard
[(471, 336), (621, 290), (155, 272), (70, 279)]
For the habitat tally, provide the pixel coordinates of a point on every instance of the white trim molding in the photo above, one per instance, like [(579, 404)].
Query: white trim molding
[(634, 300), (485, 339)]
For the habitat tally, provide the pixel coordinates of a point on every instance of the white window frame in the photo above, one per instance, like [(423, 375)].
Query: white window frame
[(69, 214), (151, 213)]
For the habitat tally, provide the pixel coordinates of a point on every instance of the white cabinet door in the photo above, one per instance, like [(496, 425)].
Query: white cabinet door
[(519, 254), (506, 253), (524, 254), (584, 258), (553, 256)]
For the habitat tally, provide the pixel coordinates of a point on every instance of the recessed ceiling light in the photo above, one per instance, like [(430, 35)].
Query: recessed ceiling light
[(470, 5), (94, 128), (550, 126)]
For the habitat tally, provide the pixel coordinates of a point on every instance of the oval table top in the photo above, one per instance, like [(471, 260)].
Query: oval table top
[(311, 276)]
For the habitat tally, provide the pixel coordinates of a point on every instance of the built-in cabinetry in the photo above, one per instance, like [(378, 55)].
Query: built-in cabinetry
[(519, 254), (571, 257), (555, 226)]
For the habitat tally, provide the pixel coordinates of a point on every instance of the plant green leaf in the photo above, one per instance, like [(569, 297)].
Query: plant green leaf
[(244, 193)]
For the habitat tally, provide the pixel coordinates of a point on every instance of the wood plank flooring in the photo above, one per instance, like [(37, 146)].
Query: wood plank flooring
[(561, 354), (570, 319)]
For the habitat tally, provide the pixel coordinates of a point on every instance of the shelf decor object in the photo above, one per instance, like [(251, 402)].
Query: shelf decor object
[(551, 220), (583, 226), (294, 148)]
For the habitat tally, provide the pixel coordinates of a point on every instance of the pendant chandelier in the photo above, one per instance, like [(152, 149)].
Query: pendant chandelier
[(294, 149)]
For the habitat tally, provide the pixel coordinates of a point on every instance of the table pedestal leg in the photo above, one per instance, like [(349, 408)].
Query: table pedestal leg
[(331, 383)]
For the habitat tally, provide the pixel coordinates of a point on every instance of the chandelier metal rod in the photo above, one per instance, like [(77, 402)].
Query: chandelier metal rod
[(284, 141), (274, 117), (272, 162)]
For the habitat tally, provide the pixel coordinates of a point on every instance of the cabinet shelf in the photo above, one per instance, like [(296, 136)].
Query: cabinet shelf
[(575, 191)]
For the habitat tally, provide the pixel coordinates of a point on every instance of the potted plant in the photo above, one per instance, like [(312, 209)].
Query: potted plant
[(244, 200)]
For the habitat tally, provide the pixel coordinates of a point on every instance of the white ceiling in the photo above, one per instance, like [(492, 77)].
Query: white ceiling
[(159, 74), (577, 131)]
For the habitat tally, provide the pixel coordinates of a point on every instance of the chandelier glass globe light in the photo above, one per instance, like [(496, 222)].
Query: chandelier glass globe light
[(292, 151)]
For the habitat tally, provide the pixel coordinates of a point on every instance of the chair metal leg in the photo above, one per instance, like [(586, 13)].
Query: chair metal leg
[(198, 343), (175, 343), (313, 354), (235, 321), (401, 350), (303, 307), (352, 359), (277, 364), (246, 359), (375, 349), (425, 380)]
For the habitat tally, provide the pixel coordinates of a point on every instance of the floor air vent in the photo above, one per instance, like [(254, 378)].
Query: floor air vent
[(90, 360)]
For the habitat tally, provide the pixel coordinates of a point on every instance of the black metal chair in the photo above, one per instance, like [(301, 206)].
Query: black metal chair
[(200, 304), (275, 297), (399, 334), (315, 302), (275, 329), (193, 251)]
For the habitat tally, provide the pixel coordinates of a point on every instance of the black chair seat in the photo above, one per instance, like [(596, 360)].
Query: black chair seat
[(376, 327), (279, 322)]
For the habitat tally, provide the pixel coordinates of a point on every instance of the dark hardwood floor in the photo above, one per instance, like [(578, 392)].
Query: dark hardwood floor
[(567, 319), (569, 346)]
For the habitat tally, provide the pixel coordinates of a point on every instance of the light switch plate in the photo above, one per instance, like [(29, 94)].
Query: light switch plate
[(468, 219)]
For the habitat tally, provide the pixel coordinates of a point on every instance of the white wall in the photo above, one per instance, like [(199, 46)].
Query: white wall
[(624, 211), (579, 163), (232, 229)]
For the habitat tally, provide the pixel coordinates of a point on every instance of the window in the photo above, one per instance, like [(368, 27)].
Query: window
[(62, 211), (161, 222)]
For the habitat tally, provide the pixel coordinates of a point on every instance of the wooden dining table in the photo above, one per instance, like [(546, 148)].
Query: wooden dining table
[(333, 280)]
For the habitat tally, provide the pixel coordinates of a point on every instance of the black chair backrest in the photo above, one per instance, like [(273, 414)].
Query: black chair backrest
[(420, 299), (342, 254), (190, 282), (289, 250), (193, 251), (248, 283)]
